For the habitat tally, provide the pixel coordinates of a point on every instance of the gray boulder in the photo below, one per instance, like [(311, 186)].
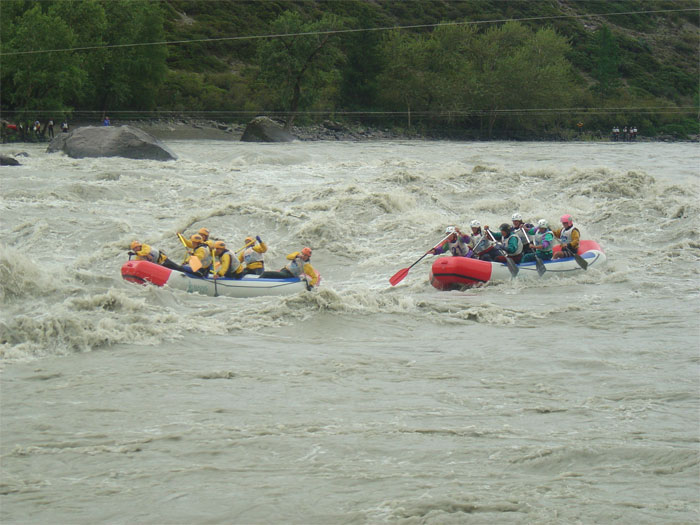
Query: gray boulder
[(8, 161), (110, 141), (264, 129)]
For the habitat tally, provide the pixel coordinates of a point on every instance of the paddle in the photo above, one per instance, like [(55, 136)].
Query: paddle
[(509, 262), (214, 270), (194, 261), (580, 261), (251, 243), (538, 262), (182, 240), (399, 276)]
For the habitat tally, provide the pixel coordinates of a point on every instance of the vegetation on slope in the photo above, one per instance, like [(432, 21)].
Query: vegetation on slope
[(477, 75)]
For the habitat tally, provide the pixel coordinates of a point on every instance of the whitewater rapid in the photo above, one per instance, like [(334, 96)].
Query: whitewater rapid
[(554, 401)]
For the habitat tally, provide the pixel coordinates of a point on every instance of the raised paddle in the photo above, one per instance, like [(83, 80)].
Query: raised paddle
[(246, 246), (541, 268), (509, 262), (194, 261), (403, 272)]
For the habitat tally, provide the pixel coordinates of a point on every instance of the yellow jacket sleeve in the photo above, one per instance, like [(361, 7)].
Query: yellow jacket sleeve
[(260, 248), (309, 270), (575, 237), (143, 254), (225, 263)]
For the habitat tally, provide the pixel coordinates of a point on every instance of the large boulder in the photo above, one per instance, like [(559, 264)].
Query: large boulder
[(264, 129), (8, 161), (110, 141)]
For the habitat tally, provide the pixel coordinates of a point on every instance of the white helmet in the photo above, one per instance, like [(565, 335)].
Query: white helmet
[(450, 230), (516, 217), (475, 224), (542, 223)]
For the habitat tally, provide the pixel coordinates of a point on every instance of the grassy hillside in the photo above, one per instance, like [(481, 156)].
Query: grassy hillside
[(656, 53)]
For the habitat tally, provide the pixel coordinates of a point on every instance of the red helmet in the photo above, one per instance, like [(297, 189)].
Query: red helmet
[(306, 251), (566, 219)]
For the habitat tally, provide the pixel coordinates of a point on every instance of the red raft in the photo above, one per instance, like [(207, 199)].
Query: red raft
[(458, 273)]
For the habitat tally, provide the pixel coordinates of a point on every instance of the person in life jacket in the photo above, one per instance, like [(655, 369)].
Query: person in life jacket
[(457, 244), (204, 233), (228, 267), (542, 242), (202, 252), (144, 252), (481, 244), (568, 236), (252, 256), (512, 245), (299, 265), (520, 228)]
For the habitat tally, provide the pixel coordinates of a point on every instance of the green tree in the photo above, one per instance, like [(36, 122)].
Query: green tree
[(41, 82), (405, 80), (88, 21), (607, 62), (299, 70), (521, 74), (131, 76)]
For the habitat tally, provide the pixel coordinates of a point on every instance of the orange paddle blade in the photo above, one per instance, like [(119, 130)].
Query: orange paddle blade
[(399, 276), (195, 263)]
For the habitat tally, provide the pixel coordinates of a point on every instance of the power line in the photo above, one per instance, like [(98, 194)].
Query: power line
[(444, 114), (344, 31)]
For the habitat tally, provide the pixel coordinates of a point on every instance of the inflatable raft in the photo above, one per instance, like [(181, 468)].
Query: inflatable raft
[(143, 272), (458, 273)]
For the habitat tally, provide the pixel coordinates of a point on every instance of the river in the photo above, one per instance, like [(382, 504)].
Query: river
[(556, 401)]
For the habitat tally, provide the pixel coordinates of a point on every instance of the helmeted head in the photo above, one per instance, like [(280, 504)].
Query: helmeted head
[(306, 253), (219, 246), (204, 233), (505, 229), (451, 232), (196, 239), (543, 224), (476, 225), (566, 220), (249, 240), (516, 217), (135, 246)]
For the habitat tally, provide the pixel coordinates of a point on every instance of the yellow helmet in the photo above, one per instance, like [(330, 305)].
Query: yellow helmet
[(197, 238), (204, 233), (135, 246), (219, 245)]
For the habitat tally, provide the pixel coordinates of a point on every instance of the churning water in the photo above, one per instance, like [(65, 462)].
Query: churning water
[(560, 401)]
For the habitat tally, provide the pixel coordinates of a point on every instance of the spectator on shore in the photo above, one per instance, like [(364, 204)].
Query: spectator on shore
[(50, 128), (106, 121), (64, 127)]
